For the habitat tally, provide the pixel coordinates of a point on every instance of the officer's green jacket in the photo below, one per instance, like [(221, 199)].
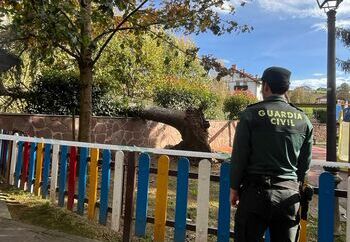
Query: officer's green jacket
[(272, 138)]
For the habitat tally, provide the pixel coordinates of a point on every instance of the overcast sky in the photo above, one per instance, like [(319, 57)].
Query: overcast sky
[(287, 33)]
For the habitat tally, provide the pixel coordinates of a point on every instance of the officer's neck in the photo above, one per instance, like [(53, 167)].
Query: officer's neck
[(272, 95)]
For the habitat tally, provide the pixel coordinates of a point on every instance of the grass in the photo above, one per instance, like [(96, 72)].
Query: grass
[(192, 204), (312, 231), (31, 209), (312, 227), (213, 210)]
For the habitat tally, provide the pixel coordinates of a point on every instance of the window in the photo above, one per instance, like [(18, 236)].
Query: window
[(241, 88)]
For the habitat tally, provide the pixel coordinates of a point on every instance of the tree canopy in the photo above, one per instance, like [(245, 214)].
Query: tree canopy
[(343, 92), (344, 35), (303, 94), (135, 65), (83, 29)]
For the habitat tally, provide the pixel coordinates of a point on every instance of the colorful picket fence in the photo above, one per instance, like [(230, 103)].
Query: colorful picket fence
[(64, 171)]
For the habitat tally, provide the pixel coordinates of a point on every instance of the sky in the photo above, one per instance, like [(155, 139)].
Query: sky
[(287, 33)]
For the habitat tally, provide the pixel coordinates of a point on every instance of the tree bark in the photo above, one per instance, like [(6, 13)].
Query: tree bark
[(85, 105), (86, 75), (191, 124)]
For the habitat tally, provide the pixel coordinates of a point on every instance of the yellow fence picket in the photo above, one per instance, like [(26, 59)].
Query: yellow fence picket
[(161, 198), (93, 183), (39, 168)]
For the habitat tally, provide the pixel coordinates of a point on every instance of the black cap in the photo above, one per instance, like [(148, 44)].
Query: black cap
[(277, 77)]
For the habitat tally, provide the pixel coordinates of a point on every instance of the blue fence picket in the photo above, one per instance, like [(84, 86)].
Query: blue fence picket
[(224, 203), (19, 161), (63, 175), (183, 168), (46, 171), (267, 235), (142, 195), (82, 179), (31, 168), (326, 207), (106, 174)]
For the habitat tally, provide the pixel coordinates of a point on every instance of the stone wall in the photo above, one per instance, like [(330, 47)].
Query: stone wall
[(119, 131), (122, 131)]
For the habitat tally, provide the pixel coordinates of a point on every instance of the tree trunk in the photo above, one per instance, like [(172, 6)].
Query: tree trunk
[(85, 104), (85, 68), (191, 124)]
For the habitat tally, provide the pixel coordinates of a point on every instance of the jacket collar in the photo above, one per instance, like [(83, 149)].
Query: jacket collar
[(275, 98)]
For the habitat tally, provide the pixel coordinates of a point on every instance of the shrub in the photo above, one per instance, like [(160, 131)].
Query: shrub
[(309, 113), (320, 114), (237, 103), (182, 94), (58, 93)]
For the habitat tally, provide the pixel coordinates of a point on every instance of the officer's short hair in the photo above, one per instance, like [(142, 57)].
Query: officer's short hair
[(277, 78)]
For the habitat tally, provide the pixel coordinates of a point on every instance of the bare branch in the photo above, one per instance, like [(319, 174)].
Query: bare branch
[(100, 36), (138, 27), (74, 26), (168, 42), (68, 18), (115, 31), (69, 52)]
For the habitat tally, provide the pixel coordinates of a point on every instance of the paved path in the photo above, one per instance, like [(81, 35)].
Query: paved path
[(318, 153), (14, 231)]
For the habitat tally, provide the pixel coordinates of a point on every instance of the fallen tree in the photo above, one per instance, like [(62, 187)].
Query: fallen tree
[(191, 124)]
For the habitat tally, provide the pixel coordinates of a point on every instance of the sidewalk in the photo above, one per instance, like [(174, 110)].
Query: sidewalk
[(14, 231)]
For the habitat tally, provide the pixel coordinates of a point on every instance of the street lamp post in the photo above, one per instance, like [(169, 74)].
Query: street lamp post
[(330, 7)]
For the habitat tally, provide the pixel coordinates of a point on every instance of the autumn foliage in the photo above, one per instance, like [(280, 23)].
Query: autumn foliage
[(237, 102)]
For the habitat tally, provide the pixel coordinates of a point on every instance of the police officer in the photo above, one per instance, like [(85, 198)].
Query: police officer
[(271, 155)]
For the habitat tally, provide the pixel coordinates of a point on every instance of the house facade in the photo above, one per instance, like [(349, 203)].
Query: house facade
[(241, 80)]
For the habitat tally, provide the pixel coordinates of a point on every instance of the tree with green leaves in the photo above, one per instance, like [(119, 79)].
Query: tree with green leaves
[(303, 94), (344, 35), (133, 77), (343, 92), (84, 28), (166, 83)]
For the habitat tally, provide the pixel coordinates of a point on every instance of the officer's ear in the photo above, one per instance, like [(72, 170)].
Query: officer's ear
[(266, 88)]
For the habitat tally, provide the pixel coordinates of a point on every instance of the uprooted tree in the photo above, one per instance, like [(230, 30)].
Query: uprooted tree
[(191, 124), (83, 29), (183, 107)]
